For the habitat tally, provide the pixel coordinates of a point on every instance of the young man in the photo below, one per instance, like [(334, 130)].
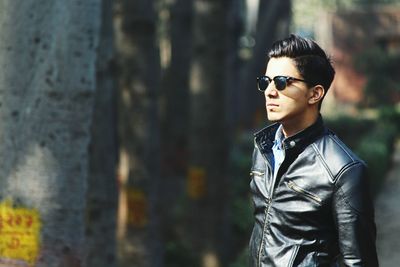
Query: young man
[(310, 192)]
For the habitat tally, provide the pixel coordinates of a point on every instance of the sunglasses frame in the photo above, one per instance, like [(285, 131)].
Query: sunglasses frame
[(287, 79)]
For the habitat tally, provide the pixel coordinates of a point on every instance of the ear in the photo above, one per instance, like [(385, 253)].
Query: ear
[(316, 94)]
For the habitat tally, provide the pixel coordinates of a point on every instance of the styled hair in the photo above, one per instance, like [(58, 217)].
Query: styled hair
[(311, 61)]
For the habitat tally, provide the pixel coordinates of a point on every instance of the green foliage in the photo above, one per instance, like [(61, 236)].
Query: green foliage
[(382, 70), (389, 115), (375, 149), (242, 218), (374, 2), (242, 260), (241, 207), (178, 254), (372, 140), (349, 128)]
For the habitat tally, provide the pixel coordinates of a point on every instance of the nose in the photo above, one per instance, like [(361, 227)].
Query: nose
[(271, 91)]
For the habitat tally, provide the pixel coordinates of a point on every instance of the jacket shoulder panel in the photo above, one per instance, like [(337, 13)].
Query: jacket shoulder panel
[(335, 155)]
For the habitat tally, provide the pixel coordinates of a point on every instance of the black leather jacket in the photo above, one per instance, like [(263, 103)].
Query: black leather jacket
[(317, 211)]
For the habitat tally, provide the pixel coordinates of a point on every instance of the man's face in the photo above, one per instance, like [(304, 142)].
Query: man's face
[(291, 104)]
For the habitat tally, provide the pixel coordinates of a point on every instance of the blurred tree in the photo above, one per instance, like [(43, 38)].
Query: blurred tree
[(176, 20), (207, 185), (306, 13), (239, 39), (48, 79), (175, 91), (382, 71), (175, 39), (138, 125), (363, 4), (102, 187), (272, 24)]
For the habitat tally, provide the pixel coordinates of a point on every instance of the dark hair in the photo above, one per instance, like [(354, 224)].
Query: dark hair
[(311, 61)]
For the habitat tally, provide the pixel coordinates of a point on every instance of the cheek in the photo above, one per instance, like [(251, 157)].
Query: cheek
[(296, 96)]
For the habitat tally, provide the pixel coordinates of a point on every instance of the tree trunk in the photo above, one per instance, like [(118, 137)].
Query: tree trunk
[(175, 119), (139, 80), (236, 30), (206, 185), (273, 23), (177, 40), (102, 193), (47, 55)]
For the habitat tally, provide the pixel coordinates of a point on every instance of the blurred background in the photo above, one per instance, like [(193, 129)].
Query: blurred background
[(127, 126)]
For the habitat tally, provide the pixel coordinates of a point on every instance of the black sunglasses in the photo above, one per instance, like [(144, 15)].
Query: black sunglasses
[(280, 82)]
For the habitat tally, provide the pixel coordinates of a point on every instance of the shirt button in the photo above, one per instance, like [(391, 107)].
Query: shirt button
[(292, 143)]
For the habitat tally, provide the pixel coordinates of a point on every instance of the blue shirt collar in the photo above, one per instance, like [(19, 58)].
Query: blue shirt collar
[(278, 138)]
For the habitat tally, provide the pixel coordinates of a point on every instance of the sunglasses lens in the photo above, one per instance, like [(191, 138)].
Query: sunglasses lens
[(280, 83), (262, 83)]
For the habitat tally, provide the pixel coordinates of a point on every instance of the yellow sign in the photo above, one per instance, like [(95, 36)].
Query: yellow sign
[(196, 185), (137, 208), (19, 233)]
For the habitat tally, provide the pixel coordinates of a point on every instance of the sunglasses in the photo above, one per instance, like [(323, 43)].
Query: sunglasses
[(280, 82)]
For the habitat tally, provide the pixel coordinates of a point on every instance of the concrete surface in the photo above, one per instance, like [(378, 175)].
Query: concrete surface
[(387, 216)]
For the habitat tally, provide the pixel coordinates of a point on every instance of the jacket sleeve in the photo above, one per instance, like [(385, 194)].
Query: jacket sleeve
[(353, 213)]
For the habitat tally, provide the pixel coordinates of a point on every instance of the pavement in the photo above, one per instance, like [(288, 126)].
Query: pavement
[(387, 216)]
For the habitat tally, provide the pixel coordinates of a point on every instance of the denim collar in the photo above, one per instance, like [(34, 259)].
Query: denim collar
[(279, 137), (265, 137)]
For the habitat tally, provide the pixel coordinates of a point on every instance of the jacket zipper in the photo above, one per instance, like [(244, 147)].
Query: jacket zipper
[(257, 173), (263, 233), (300, 190), (269, 200), (294, 254)]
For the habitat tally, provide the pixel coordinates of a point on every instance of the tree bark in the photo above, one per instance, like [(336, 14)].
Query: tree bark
[(47, 56), (102, 195), (175, 120), (138, 60), (206, 185), (273, 23)]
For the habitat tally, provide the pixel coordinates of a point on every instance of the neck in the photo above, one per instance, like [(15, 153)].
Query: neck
[(295, 125)]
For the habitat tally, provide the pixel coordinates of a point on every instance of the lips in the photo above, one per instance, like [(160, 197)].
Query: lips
[(272, 105)]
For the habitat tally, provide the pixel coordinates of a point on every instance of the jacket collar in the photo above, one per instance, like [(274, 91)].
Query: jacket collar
[(265, 137)]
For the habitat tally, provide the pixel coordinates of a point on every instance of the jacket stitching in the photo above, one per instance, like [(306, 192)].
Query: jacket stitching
[(336, 177), (294, 255), (342, 147), (345, 168), (339, 188), (331, 176), (344, 197)]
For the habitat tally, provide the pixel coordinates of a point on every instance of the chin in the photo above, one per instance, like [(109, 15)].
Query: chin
[(274, 117)]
